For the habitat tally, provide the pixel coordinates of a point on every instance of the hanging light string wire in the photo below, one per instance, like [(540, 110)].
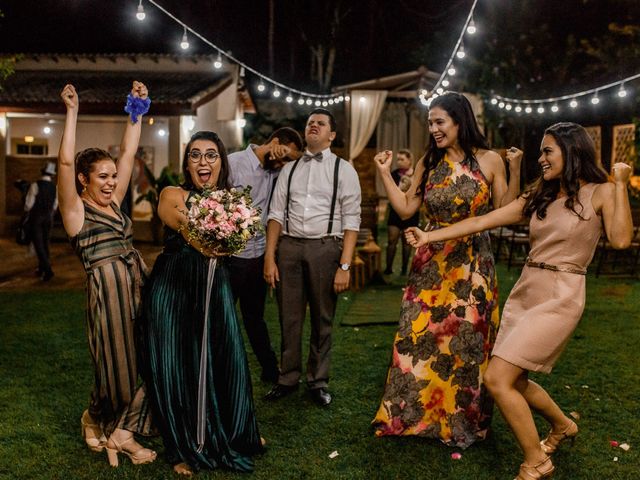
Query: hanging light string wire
[(240, 63), (566, 97), (455, 49)]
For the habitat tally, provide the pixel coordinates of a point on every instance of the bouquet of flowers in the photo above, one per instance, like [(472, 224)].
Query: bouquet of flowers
[(223, 220)]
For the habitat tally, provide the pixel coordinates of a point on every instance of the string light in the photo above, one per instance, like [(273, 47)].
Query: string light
[(621, 91), (218, 63), (140, 15), (572, 98), (471, 28), (276, 93), (289, 98), (184, 44), (458, 50)]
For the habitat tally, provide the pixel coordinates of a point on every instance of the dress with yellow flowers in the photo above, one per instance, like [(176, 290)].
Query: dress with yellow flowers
[(448, 321)]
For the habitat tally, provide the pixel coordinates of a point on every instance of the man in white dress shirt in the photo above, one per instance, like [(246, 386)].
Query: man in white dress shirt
[(258, 166), (314, 220)]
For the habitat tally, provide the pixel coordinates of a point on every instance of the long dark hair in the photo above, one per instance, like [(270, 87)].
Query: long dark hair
[(470, 137), (579, 155), (223, 177)]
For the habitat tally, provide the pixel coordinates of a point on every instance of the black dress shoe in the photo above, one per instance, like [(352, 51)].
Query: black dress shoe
[(278, 391), (321, 396)]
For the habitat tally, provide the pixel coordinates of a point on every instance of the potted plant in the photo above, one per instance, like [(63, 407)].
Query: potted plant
[(166, 178)]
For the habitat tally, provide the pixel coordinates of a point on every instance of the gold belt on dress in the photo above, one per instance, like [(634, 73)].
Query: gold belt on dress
[(556, 268)]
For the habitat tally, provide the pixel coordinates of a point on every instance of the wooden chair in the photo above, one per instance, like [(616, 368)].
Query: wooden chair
[(371, 254), (357, 273)]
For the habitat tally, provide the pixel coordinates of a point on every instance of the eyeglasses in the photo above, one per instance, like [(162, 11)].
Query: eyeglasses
[(196, 155)]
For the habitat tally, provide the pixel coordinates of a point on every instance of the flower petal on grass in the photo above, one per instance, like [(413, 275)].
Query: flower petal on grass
[(625, 446), (334, 454), (456, 456)]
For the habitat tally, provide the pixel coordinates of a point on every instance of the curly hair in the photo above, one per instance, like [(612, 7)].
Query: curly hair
[(579, 157)]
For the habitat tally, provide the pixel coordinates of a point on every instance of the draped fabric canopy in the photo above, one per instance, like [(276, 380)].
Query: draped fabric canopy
[(366, 107)]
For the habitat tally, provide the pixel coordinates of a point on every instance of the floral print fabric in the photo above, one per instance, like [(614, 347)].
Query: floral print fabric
[(448, 322)]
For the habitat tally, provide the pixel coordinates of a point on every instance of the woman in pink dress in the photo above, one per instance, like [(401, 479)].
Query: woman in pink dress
[(567, 206)]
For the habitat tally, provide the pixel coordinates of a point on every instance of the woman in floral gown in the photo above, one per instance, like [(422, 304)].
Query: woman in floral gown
[(449, 313)]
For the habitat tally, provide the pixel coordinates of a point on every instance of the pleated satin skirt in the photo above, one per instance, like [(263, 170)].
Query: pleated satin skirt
[(172, 326)]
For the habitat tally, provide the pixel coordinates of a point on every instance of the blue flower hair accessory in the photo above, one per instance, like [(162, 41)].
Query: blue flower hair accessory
[(136, 106)]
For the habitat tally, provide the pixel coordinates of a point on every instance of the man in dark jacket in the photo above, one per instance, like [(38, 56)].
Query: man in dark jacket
[(41, 203)]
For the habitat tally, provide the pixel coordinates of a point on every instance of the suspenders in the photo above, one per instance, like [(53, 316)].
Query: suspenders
[(333, 197)]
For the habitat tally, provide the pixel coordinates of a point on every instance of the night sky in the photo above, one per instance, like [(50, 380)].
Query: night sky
[(376, 37)]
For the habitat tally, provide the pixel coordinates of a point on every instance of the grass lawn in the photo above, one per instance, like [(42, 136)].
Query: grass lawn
[(45, 377)]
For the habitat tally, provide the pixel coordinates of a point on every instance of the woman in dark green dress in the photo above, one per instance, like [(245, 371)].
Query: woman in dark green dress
[(174, 312)]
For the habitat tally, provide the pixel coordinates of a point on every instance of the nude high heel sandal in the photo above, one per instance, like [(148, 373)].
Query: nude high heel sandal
[(92, 433), (550, 444), (539, 471), (136, 453)]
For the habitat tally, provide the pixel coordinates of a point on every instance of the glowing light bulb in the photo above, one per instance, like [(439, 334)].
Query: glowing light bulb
[(540, 109), (451, 71), (276, 93), (317, 103), (162, 132), (140, 15), (261, 86), (494, 101), (309, 101), (289, 98), (573, 103), (621, 91), (508, 106), (184, 44), (518, 108), (218, 63), (445, 83), (46, 130), (471, 28), (555, 108), (528, 109), (301, 101), (501, 105), (595, 100)]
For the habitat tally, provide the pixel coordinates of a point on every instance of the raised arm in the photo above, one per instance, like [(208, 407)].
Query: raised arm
[(404, 203), (502, 193), (506, 215), (612, 200), (71, 208), (129, 144)]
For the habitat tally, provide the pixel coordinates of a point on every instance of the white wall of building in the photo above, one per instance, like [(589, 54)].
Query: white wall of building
[(101, 132)]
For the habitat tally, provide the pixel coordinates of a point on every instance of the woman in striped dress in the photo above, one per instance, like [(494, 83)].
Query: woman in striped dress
[(91, 188)]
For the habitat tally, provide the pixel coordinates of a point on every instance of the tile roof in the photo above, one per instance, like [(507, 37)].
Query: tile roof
[(102, 91)]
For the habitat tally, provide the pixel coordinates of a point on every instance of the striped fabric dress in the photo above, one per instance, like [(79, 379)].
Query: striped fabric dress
[(115, 274)]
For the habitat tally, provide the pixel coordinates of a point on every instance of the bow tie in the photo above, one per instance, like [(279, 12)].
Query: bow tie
[(307, 156)]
